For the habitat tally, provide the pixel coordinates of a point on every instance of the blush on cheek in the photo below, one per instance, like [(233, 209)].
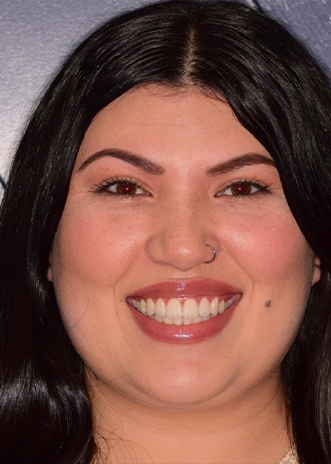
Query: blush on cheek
[(275, 252)]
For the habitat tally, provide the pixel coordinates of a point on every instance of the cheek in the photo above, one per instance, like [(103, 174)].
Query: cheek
[(94, 248), (273, 250), (279, 272), (88, 259), (94, 257), (280, 269)]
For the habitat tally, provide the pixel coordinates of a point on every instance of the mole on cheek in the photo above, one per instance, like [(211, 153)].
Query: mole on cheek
[(267, 304)]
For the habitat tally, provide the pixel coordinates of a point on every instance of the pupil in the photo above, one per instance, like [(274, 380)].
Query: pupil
[(242, 189), (126, 188)]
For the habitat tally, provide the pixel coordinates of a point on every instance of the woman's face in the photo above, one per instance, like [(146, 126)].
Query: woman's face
[(158, 176)]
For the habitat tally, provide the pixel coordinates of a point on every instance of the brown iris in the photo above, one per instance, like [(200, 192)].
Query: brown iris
[(241, 188), (126, 188)]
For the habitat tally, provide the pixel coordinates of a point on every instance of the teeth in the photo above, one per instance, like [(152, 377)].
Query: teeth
[(214, 307), (160, 308), (174, 312), (204, 307), (221, 307), (168, 320), (143, 306), (190, 309), (174, 309), (150, 307)]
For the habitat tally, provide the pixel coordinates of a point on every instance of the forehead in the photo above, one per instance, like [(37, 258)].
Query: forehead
[(163, 105), (157, 119)]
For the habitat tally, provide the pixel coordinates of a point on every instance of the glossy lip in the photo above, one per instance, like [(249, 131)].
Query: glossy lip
[(184, 289), (185, 334)]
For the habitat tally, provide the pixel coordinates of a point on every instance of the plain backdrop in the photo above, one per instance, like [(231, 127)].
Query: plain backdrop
[(36, 35)]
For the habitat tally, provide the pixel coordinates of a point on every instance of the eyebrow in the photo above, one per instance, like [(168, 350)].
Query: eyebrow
[(151, 167), (146, 165), (248, 159)]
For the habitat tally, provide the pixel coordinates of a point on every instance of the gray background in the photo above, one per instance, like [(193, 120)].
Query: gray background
[(35, 36)]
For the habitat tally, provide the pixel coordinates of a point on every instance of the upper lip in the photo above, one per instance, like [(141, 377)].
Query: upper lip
[(186, 289)]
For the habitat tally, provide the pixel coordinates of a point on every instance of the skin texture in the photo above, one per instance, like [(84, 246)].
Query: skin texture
[(180, 403)]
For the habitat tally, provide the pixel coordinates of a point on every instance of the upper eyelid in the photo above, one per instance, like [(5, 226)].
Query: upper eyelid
[(257, 182), (114, 179), (103, 185), (117, 179), (264, 187)]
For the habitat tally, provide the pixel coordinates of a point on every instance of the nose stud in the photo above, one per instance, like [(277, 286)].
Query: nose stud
[(214, 253)]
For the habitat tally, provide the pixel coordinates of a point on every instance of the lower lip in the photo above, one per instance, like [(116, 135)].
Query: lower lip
[(183, 334)]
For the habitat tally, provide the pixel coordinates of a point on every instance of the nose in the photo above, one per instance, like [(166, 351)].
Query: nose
[(184, 238)]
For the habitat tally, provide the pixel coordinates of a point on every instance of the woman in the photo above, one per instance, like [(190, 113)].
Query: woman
[(165, 222)]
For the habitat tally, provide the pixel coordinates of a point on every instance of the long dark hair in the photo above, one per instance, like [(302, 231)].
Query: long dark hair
[(277, 92)]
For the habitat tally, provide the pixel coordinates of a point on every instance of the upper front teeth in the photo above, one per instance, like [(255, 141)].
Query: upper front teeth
[(177, 312)]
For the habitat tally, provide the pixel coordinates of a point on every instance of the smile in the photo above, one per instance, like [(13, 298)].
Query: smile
[(175, 311)]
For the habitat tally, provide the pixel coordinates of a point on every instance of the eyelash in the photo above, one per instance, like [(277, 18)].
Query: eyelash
[(104, 186), (262, 189)]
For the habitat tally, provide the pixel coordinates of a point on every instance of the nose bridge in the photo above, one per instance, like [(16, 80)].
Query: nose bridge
[(182, 229), (182, 223)]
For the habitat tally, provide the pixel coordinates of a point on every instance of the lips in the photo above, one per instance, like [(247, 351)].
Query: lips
[(184, 311)]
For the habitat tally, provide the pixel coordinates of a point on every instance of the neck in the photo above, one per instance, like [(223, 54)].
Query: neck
[(251, 429)]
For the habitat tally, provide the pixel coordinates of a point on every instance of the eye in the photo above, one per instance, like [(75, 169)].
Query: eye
[(121, 187), (125, 187), (243, 188)]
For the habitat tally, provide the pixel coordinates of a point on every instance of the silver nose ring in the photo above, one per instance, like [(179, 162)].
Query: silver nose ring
[(214, 253)]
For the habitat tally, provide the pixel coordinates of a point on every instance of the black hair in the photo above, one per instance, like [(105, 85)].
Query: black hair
[(277, 92)]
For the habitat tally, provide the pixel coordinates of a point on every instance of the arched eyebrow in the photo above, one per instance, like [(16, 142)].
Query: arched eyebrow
[(146, 165), (151, 167), (233, 164)]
